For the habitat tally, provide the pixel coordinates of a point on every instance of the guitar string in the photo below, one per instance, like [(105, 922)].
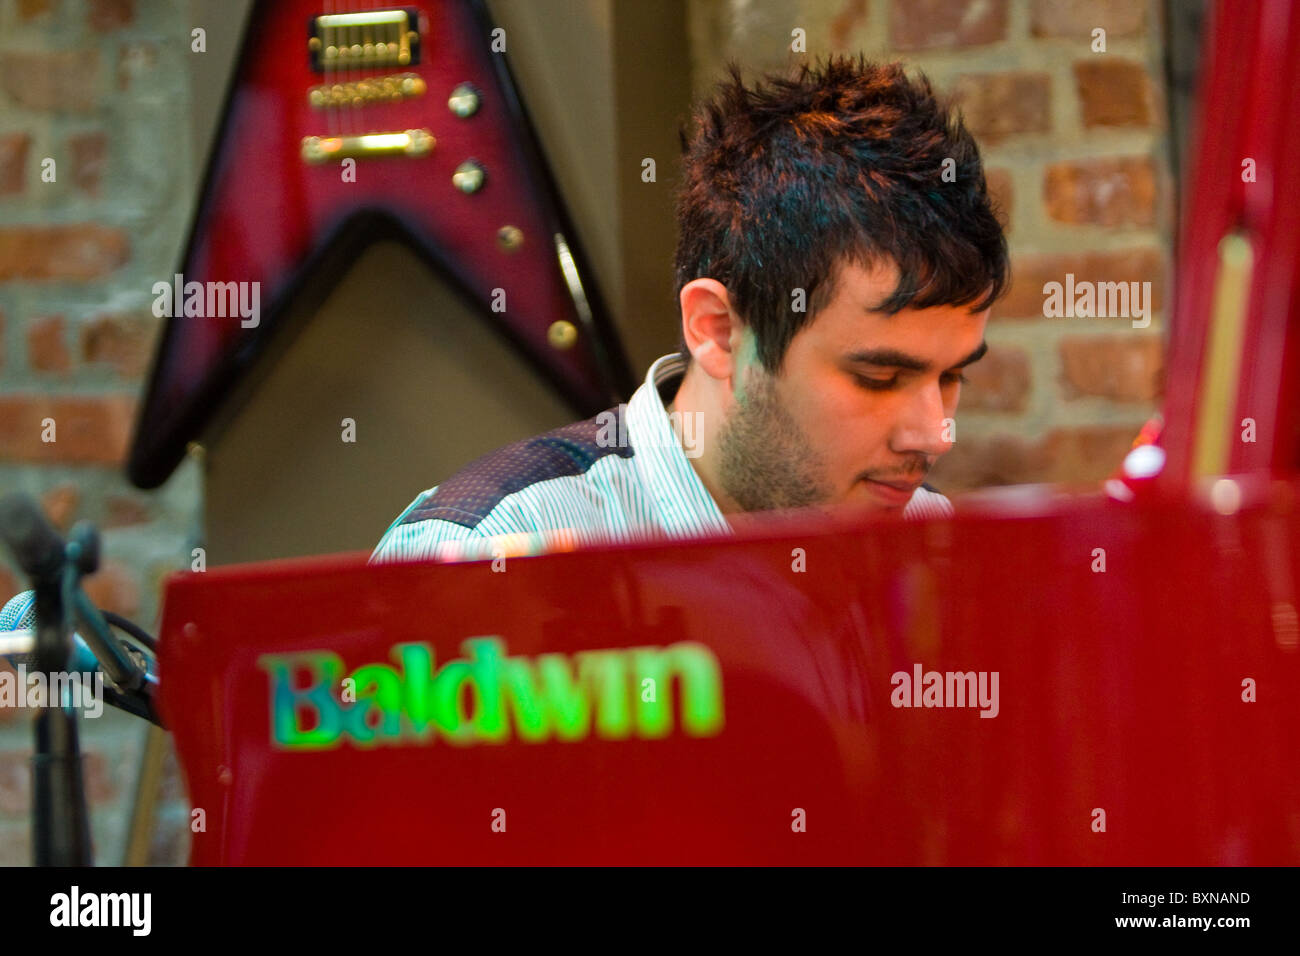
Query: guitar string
[(366, 70), (375, 69), (341, 64), (349, 111), (348, 72), (345, 76), (353, 74), (340, 73), (345, 71), (359, 38), (327, 74)]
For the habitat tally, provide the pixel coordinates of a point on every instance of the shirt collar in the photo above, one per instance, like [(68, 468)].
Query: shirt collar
[(685, 505)]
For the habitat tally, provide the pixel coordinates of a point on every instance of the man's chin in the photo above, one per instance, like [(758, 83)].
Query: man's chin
[(861, 503)]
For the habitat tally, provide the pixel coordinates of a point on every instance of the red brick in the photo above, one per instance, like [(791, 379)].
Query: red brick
[(1087, 453), (110, 14), (78, 251), (47, 348), (98, 778), (133, 60), (1078, 18), (987, 460), (13, 163), (1102, 192), (934, 24), (66, 81), (31, 9), (846, 23), (88, 429), (16, 843), (999, 185), (8, 715), (122, 341), (998, 105), (1029, 273), (18, 713), (88, 153), (120, 511), (1126, 368), (1113, 92), (15, 782), (113, 588), (1066, 456), (10, 585), (999, 382), (60, 505)]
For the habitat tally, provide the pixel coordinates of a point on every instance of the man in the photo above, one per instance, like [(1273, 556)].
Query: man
[(837, 256)]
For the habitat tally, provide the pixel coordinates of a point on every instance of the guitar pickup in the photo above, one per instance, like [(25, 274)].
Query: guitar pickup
[(377, 38), (322, 149), (379, 89)]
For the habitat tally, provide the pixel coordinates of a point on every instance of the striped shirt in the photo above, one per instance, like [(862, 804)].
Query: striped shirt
[(621, 475)]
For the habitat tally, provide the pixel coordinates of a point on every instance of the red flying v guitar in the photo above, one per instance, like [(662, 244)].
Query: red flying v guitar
[(346, 126)]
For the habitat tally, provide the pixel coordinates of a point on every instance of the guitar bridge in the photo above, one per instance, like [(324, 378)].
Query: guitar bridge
[(378, 38), (322, 149)]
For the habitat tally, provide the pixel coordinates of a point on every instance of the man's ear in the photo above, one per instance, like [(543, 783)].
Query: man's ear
[(710, 327)]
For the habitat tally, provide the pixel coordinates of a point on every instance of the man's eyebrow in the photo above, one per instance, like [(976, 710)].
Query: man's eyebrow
[(974, 356), (893, 358)]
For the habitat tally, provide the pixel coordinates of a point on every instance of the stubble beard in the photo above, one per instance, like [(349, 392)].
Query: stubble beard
[(765, 460)]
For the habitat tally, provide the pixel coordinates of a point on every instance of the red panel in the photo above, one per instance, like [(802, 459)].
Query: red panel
[(1249, 95), (1119, 690)]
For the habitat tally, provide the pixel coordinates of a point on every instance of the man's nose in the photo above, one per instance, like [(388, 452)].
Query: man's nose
[(925, 427)]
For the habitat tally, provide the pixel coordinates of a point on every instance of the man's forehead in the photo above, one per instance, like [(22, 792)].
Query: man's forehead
[(942, 320), (854, 323), (866, 284)]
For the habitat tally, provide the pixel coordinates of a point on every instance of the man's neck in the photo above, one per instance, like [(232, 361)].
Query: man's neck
[(692, 399)]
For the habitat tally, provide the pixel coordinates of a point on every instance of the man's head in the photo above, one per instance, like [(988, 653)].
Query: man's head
[(836, 260)]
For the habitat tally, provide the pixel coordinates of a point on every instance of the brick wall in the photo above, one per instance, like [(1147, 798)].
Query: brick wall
[(101, 87), (1074, 143), (1075, 147)]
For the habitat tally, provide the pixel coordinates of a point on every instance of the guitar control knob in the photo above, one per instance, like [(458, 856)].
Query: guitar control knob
[(562, 335), (510, 238), (464, 101), (468, 177)]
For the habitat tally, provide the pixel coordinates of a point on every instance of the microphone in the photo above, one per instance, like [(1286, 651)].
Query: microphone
[(18, 642), (20, 612), (18, 630)]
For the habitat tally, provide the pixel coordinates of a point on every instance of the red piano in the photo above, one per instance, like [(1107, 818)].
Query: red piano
[(1040, 680)]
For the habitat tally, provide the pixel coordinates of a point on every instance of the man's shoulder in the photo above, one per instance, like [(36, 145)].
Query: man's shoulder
[(470, 495)]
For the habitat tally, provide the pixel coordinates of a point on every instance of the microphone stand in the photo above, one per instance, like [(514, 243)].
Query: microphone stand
[(60, 822)]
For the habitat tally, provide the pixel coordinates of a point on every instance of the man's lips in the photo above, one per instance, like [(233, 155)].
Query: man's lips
[(894, 492), (900, 485)]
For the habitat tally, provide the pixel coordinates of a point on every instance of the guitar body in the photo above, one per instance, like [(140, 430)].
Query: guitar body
[(293, 193)]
